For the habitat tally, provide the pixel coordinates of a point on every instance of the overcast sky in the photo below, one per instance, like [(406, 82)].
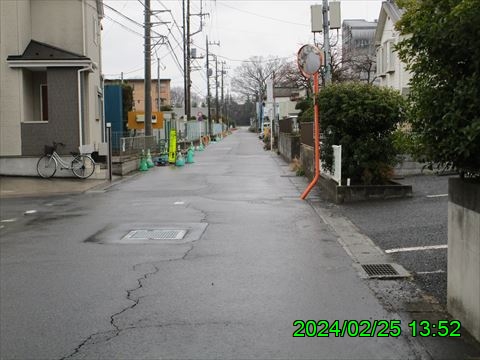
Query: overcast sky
[(244, 28)]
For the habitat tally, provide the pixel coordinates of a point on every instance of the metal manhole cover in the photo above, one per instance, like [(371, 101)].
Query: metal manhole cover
[(380, 270), (155, 234)]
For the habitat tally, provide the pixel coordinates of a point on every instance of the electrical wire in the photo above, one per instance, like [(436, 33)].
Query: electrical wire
[(174, 55), (283, 21)]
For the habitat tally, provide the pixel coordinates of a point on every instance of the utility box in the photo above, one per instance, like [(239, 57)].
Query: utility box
[(317, 18), (335, 15)]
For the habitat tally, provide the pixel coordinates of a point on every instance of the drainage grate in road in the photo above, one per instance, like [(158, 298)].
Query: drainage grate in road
[(156, 234), (380, 270)]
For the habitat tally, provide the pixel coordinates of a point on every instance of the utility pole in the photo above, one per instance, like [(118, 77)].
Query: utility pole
[(216, 90), (158, 85), (221, 96), (209, 73), (185, 45), (326, 42), (208, 93), (227, 109), (148, 72), (188, 109)]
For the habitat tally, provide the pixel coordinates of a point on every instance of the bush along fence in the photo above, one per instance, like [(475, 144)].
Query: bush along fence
[(360, 119), (445, 110)]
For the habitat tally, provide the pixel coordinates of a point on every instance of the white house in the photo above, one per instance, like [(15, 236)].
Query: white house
[(390, 70), (51, 88)]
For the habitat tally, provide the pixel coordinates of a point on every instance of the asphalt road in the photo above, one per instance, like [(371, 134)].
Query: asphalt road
[(75, 283), (418, 222), (255, 259)]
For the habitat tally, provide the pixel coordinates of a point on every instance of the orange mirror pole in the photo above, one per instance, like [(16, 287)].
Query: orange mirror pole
[(316, 130)]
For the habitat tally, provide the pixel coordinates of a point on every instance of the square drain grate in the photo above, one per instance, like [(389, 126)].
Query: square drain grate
[(380, 270), (156, 234)]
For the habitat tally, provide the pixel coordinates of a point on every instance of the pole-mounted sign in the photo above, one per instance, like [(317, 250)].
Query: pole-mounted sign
[(310, 59)]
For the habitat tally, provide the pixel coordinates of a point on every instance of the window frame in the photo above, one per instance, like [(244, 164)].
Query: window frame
[(43, 100)]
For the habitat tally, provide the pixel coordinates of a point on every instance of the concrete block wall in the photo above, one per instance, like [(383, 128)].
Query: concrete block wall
[(307, 158), (288, 146), (463, 289)]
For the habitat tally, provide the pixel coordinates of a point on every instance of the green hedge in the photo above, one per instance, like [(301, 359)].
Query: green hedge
[(361, 118), (442, 51)]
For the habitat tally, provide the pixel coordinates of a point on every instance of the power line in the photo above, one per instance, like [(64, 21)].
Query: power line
[(123, 26), (283, 21), (124, 16), (172, 53)]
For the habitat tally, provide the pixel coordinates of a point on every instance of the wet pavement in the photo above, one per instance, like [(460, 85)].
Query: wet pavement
[(14, 186), (77, 283)]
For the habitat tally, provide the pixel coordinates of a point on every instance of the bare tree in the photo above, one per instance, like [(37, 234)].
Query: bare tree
[(361, 66), (250, 77), (177, 96), (290, 76)]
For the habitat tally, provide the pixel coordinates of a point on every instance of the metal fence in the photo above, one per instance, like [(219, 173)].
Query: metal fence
[(196, 129), (217, 129), (129, 146)]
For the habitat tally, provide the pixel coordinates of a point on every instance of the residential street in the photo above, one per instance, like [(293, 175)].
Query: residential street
[(413, 230), (254, 259)]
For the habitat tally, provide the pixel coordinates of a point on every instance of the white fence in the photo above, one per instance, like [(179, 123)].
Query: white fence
[(196, 129), (336, 173)]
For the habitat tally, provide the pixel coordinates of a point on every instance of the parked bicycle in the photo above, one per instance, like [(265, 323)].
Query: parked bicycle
[(82, 165)]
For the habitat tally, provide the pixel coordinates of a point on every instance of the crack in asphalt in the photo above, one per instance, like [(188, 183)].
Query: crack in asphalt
[(131, 291), (111, 334), (188, 252), (118, 330)]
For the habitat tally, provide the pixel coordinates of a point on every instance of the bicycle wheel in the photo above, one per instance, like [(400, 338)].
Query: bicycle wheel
[(83, 166), (46, 166)]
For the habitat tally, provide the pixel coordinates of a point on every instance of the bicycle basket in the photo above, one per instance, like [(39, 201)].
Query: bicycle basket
[(49, 150)]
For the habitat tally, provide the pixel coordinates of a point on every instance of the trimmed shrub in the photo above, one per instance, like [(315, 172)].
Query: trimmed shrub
[(442, 50), (361, 118)]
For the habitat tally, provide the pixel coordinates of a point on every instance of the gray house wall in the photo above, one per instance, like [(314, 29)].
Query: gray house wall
[(62, 123)]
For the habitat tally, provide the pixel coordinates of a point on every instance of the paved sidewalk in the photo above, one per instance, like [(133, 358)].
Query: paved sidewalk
[(15, 186)]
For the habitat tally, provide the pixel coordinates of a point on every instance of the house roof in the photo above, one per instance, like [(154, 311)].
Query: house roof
[(388, 9), (360, 23), (37, 50)]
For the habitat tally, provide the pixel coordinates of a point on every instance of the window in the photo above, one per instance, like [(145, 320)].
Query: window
[(384, 58), (391, 55), (43, 102), (381, 61)]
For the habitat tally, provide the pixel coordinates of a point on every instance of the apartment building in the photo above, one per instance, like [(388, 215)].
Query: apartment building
[(160, 96)]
